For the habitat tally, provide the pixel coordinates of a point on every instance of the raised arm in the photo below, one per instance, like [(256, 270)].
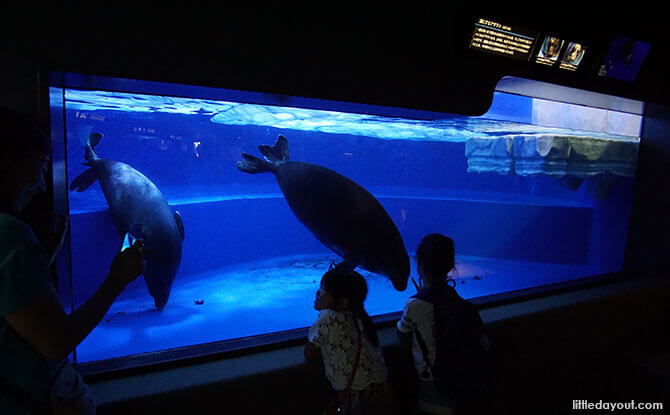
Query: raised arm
[(44, 324)]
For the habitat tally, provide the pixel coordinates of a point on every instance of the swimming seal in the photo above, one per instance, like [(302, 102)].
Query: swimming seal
[(135, 200), (340, 213)]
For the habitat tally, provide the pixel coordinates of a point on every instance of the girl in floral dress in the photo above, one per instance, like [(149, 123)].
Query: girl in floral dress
[(344, 338)]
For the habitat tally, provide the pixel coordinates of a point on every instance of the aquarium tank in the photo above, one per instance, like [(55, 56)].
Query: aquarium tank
[(535, 192)]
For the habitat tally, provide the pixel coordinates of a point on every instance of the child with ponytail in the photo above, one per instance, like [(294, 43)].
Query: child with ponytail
[(450, 346), (344, 338)]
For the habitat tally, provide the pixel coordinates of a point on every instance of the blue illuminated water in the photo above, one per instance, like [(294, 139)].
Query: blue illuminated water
[(520, 218)]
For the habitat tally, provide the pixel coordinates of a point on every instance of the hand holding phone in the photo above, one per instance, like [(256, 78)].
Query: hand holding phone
[(129, 263), (135, 232), (128, 240)]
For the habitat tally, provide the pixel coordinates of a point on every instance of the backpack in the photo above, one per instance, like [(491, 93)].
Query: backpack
[(463, 361)]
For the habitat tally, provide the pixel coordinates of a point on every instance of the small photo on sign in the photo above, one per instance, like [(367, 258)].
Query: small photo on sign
[(574, 54), (549, 51)]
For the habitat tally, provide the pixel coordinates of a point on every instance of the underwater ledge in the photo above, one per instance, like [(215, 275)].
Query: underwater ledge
[(97, 203)]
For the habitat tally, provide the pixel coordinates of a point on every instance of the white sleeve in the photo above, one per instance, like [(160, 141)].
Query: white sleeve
[(319, 332), (407, 322)]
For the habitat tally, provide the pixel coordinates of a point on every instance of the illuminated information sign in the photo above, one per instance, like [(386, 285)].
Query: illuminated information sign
[(494, 37), (523, 44)]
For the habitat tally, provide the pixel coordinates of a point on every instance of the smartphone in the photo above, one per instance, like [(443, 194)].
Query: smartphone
[(128, 241), (135, 231)]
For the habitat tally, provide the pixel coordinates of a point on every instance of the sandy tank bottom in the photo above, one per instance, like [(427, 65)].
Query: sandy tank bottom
[(276, 295)]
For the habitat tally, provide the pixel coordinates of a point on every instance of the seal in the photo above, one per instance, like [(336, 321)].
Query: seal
[(339, 212), (136, 202)]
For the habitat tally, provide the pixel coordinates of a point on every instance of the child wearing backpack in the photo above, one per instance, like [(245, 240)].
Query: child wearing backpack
[(449, 343), (344, 338)]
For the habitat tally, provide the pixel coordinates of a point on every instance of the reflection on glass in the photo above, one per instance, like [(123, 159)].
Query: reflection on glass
[(534, 192)]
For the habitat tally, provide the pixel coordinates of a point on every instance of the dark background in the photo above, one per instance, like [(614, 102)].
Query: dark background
[(409, 55), (406, 55)]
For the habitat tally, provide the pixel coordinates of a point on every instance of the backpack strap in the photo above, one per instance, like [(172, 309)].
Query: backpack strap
[(424, 348), (428, 296), (436, 297)]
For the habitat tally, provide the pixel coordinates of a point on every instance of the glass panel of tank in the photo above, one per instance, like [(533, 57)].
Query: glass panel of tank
[(534, 192)]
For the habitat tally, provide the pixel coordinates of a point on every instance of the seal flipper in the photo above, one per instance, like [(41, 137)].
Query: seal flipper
[(278, 152), (254, 165), (180, 224), (84, 180)]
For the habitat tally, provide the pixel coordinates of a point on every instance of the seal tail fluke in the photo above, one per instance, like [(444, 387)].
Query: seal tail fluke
[(277, 152), (254, 165), (92, 141)]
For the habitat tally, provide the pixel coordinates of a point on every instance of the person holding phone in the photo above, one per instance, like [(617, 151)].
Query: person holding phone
[(36, 333)]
